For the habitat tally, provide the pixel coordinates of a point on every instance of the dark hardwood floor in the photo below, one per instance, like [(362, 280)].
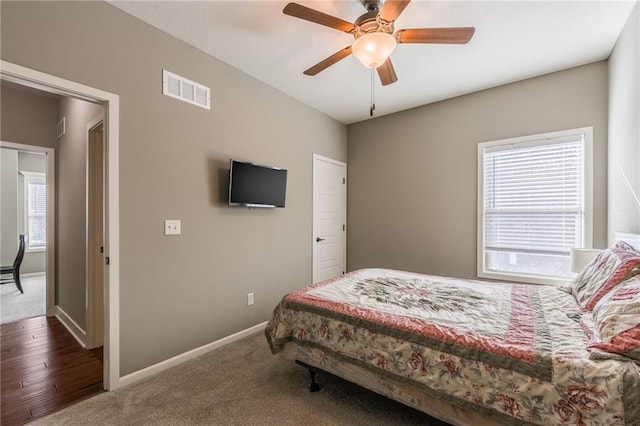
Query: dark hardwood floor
[(43, 369)]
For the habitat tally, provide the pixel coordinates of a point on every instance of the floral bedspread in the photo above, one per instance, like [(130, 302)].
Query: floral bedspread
[(510, 350)]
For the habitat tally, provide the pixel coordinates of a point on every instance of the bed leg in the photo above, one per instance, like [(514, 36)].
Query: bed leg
[(313, 386)]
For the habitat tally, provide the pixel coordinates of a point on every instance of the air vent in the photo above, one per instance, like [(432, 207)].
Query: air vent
[(186, 90), (61, 128)]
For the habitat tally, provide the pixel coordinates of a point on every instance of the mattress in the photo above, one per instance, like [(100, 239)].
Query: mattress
[(513, 352)]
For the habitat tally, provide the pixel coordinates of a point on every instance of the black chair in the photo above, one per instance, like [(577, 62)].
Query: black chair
[(15, 269)]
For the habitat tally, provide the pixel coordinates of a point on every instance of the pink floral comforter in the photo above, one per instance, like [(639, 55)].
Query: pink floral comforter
[(509, 350)]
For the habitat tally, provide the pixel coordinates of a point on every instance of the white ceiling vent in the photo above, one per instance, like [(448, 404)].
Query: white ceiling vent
[(186, 90)]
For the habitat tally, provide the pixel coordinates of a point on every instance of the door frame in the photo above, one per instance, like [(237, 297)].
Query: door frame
[(314, 250), (50, 248), (111, 102)]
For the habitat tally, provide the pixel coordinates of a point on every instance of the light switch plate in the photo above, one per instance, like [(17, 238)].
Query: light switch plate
[(171, 227)]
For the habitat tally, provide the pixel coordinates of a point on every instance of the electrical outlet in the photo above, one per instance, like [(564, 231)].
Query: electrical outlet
[(249, 299), (171, 227)]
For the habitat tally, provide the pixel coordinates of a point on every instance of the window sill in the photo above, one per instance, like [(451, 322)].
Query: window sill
[(36, 250), (525, 279)]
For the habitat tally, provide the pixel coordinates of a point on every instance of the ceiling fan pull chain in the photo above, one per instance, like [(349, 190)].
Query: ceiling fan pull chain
[(373, 94)]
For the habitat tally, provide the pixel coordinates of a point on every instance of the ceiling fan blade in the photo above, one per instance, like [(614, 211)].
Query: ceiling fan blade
[(391, 9), (322, 65), (312, 15), (387, 73), (460, 35)]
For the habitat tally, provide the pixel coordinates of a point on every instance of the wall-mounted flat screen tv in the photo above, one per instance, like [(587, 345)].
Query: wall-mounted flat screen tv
[(253, 185)]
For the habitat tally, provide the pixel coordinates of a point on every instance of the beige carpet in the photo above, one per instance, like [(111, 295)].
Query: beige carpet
[(15, 306), (238, 384)]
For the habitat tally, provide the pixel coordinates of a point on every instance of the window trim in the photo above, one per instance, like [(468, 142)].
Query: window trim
[(28, 177), (587, 134)]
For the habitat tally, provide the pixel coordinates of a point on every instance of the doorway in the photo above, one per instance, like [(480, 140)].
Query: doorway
[(48, 83), (329, 218), (28, 174)]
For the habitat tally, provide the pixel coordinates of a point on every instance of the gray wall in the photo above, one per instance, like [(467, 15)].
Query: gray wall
[(71, 207), (624, 130), (9, 207), (178, 293), (28, 117), (413, 175)]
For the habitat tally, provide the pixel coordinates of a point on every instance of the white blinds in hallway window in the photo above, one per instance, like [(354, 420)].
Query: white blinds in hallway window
[(533, 205), (37, 214), (35, 209)]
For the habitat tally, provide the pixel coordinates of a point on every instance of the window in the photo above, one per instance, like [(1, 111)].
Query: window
[(534, 205), (35, 211)]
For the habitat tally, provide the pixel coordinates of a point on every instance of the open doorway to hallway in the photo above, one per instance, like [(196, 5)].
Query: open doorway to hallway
[(73, 324), (108, 104), (61, 211)]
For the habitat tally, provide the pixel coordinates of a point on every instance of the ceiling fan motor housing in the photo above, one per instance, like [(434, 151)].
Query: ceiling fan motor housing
[(370, 22)]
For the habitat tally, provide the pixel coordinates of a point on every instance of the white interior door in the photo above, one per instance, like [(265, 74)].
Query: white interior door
[(329, 218)]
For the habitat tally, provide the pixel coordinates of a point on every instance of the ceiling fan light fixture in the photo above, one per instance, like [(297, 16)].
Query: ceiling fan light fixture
[(373, 49)]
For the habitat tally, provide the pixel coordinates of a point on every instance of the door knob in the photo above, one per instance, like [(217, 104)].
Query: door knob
[(319, 239)]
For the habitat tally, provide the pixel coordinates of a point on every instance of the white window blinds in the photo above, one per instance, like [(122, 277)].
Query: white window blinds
[(35, 209), (37, 214), (533, 206)]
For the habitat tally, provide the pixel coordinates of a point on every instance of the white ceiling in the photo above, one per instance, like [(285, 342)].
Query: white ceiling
[(514, 40)]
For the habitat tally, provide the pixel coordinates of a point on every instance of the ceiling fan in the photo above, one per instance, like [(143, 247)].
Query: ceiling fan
[(374, 36)]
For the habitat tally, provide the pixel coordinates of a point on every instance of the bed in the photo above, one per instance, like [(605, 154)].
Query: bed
[(473, 352)]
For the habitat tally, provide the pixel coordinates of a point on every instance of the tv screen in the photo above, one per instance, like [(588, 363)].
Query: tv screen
[(253, 185)]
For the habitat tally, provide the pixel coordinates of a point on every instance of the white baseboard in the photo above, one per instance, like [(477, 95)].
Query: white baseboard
[(186, 356), (33, 274), (76, 331)]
